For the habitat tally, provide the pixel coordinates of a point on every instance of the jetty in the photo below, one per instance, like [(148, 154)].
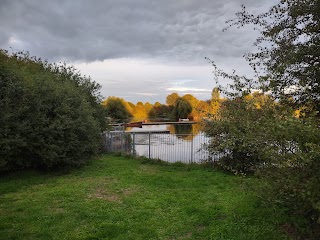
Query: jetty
[(152, 123), (168, 123)]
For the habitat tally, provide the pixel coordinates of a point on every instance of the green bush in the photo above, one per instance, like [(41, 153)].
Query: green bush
[(238, 135), (50, 114), (270, 141), (276, 146), (293, 174)]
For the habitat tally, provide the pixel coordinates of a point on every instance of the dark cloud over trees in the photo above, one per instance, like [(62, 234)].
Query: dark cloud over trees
[(98, 30)]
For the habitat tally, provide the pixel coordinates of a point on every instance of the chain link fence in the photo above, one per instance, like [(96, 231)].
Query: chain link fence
[(186, 148)]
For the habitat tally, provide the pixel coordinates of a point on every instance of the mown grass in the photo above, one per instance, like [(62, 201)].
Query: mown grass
[(122, 198)]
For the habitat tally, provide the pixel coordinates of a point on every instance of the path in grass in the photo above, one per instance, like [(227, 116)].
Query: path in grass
[(121, 198)]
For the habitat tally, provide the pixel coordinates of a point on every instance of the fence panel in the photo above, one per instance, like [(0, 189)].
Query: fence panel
[(186, 148)]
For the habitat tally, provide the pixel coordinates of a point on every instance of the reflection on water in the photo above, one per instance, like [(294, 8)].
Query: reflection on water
[(181, 130), (184, 143), (177, 129)]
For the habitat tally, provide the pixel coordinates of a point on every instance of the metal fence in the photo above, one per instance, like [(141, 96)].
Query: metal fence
[(186, 148)]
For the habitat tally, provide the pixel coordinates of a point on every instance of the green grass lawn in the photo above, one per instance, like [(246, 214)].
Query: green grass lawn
[(121, 198)]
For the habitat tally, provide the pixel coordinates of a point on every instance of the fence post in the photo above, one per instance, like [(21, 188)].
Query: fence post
[(192, 148), (110, 139), (149, 146), (123, 141), (133, 145)]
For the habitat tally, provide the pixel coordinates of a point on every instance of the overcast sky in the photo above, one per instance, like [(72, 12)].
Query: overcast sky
[(140, 50)]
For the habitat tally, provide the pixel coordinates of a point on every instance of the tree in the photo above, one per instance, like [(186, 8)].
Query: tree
[(148, 106), (269, 139), (215, 95), (203, 109), (194, 115), (140, 112), (130, 107), (172, 98), (116, 108), (239, 135), (140, 104), (181, 109), (288, 56), (51, 115), (160, 111), (157, 104), (215, 101), (191, 99)]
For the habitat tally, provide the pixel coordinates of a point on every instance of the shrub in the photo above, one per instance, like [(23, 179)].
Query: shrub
[(238, 134), (50, 114), (292, 172), (269, 141)]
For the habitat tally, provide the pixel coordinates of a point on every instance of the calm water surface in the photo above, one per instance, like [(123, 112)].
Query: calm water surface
[(184, 143)]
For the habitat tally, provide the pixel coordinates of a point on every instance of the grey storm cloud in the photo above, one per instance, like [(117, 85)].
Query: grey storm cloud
[(81, 30)]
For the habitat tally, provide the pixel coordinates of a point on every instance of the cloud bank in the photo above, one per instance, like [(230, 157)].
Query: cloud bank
[(165, 33)]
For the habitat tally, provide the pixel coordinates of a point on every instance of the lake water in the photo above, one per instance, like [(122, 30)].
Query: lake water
[(184, 143)]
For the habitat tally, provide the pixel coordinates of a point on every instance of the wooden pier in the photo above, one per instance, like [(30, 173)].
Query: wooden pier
[(168, 123), (156, 123), (150, 131)]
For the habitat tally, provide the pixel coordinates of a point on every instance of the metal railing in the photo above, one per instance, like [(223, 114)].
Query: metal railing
[(186, 148)]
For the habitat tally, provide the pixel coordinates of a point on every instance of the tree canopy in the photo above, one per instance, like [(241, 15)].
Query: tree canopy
[(50, 114), (215, 95), (116, 108), (172, 98), (288, 57), (275, 132), (181, 109)]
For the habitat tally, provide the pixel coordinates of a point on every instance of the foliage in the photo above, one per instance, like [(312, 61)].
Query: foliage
[(203, 109), (181, 109), (148, 106), (294, 181), (50, 115), (191, 99), (160, 111), (278, 141), (288, 56), (123, 110), (194, 103), (238, 134), (116, 108), (215, 95), (172, 98), (257, 135), (140, 111)]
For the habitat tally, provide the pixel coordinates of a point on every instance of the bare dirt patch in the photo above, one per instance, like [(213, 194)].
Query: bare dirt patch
[(148, 169), (104, 193)]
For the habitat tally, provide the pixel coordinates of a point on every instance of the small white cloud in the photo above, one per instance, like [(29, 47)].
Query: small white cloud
[(145, 94), (12, 40), (188, 89), (182, 82), (15, 42)]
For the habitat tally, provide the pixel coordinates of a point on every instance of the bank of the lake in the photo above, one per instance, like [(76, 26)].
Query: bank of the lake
[(116, 197)]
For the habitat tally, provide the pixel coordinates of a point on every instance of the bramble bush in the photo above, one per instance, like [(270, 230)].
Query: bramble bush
[(50, 114)]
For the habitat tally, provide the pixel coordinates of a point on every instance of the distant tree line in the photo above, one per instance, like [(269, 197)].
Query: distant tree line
[(186, 106)]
